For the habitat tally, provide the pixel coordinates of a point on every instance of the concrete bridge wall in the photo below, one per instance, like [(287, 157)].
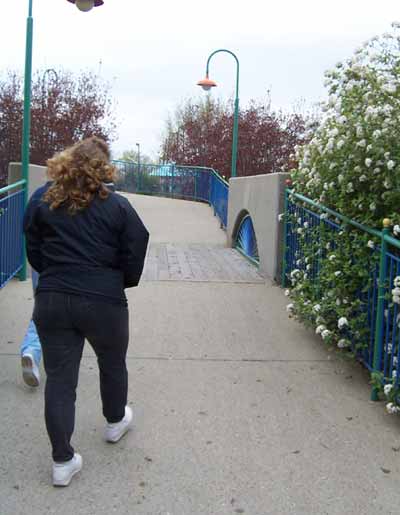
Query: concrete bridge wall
[(37, 175), (262, 196)]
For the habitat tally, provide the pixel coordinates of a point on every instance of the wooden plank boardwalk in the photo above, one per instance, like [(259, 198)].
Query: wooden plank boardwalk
[(199, 263)]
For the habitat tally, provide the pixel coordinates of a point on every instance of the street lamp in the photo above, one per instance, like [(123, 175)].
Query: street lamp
[(86, 5), (45, 75), (47, 120), (207, 84), (26, 123), (138, 152), (138, 158)]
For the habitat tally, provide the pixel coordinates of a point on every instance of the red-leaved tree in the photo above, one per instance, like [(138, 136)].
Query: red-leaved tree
[(64, 108), (200, 133)]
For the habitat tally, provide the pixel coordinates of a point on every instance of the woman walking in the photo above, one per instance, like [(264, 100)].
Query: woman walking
[(88, 244)]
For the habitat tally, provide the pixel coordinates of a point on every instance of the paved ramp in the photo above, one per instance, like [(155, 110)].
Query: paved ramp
[(238, 410), (187, 244)]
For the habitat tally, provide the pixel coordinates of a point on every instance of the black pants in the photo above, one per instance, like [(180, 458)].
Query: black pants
[(63, 322)]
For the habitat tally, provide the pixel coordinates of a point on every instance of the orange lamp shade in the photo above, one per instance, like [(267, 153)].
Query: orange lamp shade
[(207, 84)]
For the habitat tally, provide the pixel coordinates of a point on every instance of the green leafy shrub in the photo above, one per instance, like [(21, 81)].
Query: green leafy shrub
[(351, 165)]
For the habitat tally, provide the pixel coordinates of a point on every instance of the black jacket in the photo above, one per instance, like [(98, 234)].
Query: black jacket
[(96, 252)]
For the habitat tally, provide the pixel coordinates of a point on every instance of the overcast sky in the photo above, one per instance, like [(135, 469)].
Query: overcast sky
[(153, 53)]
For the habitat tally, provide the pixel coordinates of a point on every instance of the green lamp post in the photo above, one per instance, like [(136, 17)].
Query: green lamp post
[(82, 5), (26, 123), (207, 84), (139, 174)]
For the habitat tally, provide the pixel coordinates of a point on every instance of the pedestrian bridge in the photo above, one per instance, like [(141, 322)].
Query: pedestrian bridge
[(189, 245), (237, 408)]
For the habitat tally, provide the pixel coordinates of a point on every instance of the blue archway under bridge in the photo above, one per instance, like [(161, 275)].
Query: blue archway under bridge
[(245, 240)]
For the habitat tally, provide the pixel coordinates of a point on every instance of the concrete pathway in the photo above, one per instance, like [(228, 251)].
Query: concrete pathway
[(237, 408)]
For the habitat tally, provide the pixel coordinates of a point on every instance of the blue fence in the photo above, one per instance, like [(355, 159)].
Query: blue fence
[(390, 351), (11, 235), (218, 197), (307, 227), (175, 181)]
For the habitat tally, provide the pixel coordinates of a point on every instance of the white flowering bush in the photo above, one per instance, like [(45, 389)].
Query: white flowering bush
[(351, 165), (389, 390), (329, 289), (352, 162)]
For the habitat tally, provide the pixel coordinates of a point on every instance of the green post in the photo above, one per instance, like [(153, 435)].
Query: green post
[(235, 138), (139, 179), (380, 310), (26, 126), (139, 169), (172, 183), (284, 245), (236, 113), (173, 175)]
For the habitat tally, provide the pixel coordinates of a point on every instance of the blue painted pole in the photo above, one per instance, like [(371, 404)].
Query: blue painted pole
[(284, 242)]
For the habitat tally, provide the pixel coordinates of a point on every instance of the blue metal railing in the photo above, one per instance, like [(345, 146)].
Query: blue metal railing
[(391, 326), (219, 195), (307, 231), (176, 181), (321, 238), (11, 235)]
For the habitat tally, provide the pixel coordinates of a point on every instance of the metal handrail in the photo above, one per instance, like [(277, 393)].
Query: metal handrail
[(12, 258), (203, 184), (385, 239), (362, 227), (10, 187), (206, 168)]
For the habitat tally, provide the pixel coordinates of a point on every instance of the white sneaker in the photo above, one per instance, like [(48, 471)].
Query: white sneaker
[(64, 472), (115, 432), (30, 370)]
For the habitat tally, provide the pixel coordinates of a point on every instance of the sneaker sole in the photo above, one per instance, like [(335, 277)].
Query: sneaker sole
[(117, 439), (67, 481), (27, 373)]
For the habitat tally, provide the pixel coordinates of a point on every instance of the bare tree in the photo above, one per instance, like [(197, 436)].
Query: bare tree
[(64, 109)]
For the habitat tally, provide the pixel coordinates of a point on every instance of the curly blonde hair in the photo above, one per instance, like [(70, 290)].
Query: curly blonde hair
[(78, 174)]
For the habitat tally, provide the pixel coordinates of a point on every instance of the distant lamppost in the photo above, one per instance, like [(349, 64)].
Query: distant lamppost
[(83, 5), (138, 152), (45, 75), (46, 126), (86, 5), (138, 158), (207, 84)]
